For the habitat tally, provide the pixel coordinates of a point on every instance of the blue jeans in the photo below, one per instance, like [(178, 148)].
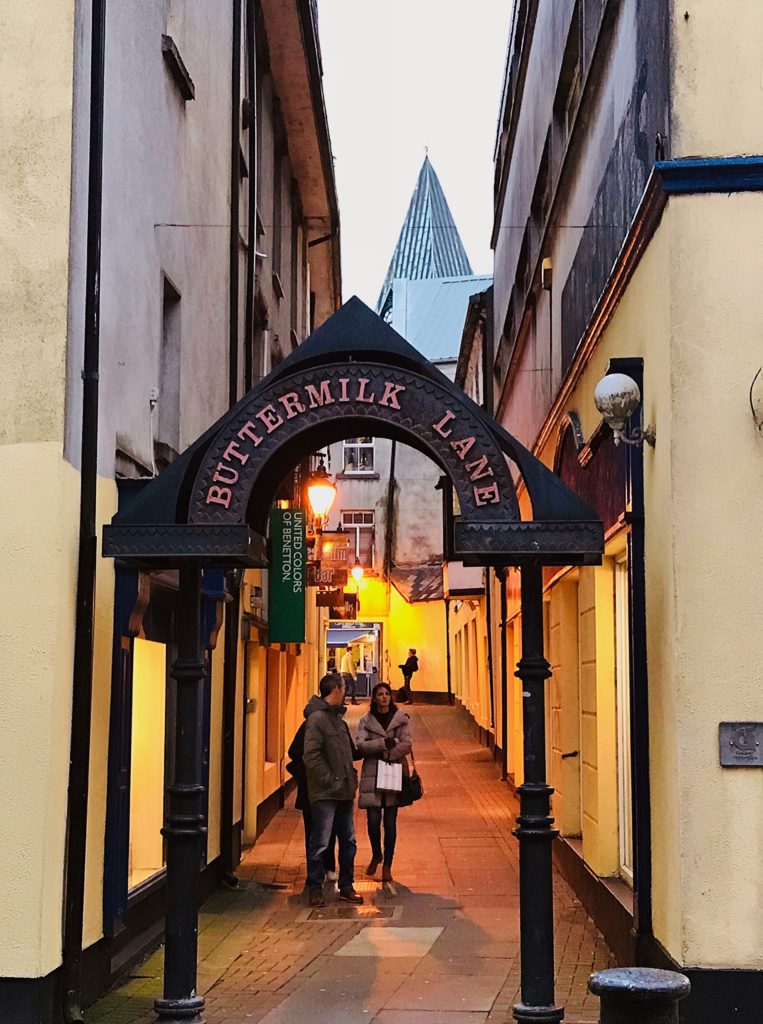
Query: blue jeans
[(332, 816), (390, 832)]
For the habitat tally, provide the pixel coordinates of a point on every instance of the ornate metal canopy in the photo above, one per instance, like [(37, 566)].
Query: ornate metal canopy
[(354, 376)]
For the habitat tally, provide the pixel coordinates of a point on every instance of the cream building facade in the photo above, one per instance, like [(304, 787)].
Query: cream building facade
[(215, 186), (626, 218)]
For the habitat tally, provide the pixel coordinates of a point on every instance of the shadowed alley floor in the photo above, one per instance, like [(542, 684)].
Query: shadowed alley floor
[(439, 946)]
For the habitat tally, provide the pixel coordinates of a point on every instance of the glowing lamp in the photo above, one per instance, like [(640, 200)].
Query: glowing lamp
[(357, 571), (320, 492)]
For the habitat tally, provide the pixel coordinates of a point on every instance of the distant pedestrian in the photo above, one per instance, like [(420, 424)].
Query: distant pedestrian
[(410, 666), (349, 673), (296, 768), (331, 783), (383, 734)]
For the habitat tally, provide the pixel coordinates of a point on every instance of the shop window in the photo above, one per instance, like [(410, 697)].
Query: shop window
[(147, 782), (358, 455), (360, 526)]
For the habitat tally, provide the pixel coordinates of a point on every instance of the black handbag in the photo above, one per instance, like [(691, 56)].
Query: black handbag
[(413, 788)]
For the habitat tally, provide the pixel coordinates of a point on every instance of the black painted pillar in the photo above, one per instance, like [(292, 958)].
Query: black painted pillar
[(184, 825), (534, 824)]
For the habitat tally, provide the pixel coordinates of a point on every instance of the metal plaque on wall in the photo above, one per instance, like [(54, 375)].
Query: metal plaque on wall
[(741, 744)]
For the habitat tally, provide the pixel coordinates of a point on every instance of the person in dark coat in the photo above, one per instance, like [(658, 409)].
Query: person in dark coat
[(384, 733), (331, 786), (296, 767), (410, 666)]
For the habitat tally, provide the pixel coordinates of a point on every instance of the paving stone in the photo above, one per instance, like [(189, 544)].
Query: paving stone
[(262, 959)]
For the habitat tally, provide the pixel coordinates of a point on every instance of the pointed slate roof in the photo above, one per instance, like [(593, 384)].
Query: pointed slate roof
[(429, 244)]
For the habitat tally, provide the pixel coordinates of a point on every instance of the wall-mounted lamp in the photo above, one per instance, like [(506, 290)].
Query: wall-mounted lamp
[(617, 397), (357, 571)]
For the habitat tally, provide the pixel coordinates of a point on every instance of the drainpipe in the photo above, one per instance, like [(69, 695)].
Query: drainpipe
[(447, 650), (235, 177), (82, 683), (639, 695), (389, 527), (251, 231)]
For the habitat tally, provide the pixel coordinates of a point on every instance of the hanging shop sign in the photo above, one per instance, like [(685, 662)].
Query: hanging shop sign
[(333, 551), (287, 576), (329, 599), (320, 576)]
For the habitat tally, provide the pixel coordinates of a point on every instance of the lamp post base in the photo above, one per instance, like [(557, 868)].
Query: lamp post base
[(537, 1014), (180, 1011)]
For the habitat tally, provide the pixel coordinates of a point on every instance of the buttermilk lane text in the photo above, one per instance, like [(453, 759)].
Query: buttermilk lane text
[(340, 391)]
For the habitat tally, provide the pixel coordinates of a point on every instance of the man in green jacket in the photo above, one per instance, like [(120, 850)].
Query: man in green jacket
[(331, 784)]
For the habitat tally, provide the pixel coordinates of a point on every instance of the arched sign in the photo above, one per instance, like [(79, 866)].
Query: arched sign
[(329, 402), (354, 376)]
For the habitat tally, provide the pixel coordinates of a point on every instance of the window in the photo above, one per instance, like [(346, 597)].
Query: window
[(147, 761), (569, 85), (360, 526), (358, 455)]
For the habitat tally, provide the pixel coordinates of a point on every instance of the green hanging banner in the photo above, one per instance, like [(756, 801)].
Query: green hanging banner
[(288, 571)]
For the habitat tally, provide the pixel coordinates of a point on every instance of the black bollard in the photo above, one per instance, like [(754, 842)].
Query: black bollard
[(639, 995)]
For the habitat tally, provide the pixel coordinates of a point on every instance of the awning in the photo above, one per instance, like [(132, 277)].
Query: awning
[(342, 637)]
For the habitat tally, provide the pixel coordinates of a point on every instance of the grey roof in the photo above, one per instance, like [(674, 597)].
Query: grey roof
[(429, 244), (418, 582), (430, 314)]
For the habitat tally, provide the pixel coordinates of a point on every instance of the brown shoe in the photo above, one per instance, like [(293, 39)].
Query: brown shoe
[(373, 865), (387, 873), (315, 898), (350, 896)]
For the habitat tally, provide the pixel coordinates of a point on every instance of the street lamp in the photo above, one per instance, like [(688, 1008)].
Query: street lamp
[(617, 396), (357, 571), (321, 492)]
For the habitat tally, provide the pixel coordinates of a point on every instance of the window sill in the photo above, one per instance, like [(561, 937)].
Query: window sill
[(357, 476)]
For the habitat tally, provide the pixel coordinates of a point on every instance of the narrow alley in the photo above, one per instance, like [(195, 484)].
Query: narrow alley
[(440, 945)]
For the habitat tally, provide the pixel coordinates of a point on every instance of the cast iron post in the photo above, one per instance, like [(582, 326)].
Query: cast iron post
[(184, 825), (639, 995), (534, 824)]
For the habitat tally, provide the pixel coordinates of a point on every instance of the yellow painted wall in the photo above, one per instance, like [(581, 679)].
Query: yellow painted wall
[(215, 748), (564, 705), (716, 84), (40, 495), (38, 546), (35, 169), (420, 625), (469, 661), (699, 280), (101, 706)]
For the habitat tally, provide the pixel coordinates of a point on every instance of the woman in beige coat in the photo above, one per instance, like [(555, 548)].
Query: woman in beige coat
[(384, 733)]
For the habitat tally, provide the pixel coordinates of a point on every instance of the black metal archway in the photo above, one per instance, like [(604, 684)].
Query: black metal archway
[(354, 376)]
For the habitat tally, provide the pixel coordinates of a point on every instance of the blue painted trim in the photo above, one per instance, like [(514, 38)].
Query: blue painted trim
[(711, 174)]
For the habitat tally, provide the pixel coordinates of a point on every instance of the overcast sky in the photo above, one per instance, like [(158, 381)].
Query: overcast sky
[(399, 76)]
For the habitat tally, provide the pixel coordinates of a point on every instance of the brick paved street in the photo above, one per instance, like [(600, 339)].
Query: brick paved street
[(440, 946)]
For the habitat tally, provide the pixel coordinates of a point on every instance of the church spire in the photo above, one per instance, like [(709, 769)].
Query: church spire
[(429, 244)]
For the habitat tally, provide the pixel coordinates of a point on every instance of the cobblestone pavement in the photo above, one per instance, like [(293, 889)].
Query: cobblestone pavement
[(438, 946)]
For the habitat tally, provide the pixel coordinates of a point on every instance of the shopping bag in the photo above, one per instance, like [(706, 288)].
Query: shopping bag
[(389, 776)]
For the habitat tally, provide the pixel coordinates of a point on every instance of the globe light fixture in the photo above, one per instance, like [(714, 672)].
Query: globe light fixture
[(617, 397), (357, 571), (321, 492)]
